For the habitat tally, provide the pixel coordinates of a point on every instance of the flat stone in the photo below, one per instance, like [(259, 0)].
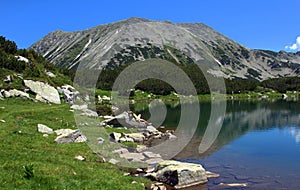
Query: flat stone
[(151, 155), (141, 148), (64, 131), (126, 139), (121, 151), (137, 137), (79, 107), (44, 129), (133, 156), (154, 160)]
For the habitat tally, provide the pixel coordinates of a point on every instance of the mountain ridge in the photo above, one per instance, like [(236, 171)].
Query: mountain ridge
[(137, 39)]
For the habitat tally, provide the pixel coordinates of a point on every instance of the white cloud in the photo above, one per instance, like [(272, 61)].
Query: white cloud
[(295, 46)]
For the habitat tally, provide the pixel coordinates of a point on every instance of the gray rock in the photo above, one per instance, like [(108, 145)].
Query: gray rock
[(44, 129), (7, 79), (151, 155), (115, 136), (40, 98), (89, 113), (73, 136), (141, 148), (79, 107), (180, 174), (154, 160), (121, 151), (151, 129), (137, 157), (18, 93), (158, 186), (113, 161), (46, 91), (137, 137), (6, 94), (126, 139), (125, 119), (100, 140), (64, 131), (69, 92)]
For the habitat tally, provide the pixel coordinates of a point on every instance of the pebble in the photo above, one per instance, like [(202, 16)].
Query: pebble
[(79, 157)]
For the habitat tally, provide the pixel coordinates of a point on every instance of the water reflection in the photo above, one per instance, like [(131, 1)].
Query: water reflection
[(241, 117)]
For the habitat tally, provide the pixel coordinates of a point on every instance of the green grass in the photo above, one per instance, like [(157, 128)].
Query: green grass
[(47, 165)]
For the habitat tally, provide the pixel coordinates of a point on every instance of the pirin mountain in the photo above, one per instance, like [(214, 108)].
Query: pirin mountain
[(113, 45)]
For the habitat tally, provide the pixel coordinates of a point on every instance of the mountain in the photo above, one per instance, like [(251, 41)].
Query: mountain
[(120, 43)]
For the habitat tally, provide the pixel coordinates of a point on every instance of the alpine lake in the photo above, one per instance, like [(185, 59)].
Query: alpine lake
[(258, 143)]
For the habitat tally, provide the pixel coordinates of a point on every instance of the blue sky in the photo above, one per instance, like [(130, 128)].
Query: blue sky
[(257, 24)]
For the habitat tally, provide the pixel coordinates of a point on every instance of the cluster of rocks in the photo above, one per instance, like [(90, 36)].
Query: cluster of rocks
[(13, 93), (166, 173), (63, 135), (84, 110), (43, 92)]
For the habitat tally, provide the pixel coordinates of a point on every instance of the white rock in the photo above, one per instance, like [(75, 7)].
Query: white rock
[(21, 58), (3, 121), (46, 91), (79, 157), (44, 129), (113, 161), (18, 93), (49, 74), (79, 107)]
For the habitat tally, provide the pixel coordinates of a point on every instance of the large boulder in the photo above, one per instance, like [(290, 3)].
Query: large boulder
[(47, 92), (179, 174)]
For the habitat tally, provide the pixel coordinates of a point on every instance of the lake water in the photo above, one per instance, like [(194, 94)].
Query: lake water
[(259, 143)]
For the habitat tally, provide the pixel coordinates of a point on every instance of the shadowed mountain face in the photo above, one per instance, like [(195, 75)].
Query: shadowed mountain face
[(124, 42)]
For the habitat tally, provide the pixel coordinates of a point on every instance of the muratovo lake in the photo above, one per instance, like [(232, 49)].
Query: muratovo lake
[(259, 143)]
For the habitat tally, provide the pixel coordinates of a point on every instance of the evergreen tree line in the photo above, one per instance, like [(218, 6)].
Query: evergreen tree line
[(108, 76), (36, 66)]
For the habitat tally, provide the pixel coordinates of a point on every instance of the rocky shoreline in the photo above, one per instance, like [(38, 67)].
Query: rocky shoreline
[(165, 173)]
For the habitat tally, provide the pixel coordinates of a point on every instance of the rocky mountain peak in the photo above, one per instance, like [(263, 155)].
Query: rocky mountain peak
[(136, 39)]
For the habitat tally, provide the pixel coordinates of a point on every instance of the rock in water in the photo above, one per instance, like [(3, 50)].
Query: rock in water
[(46, 91), (180, 174), (44, 129)]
